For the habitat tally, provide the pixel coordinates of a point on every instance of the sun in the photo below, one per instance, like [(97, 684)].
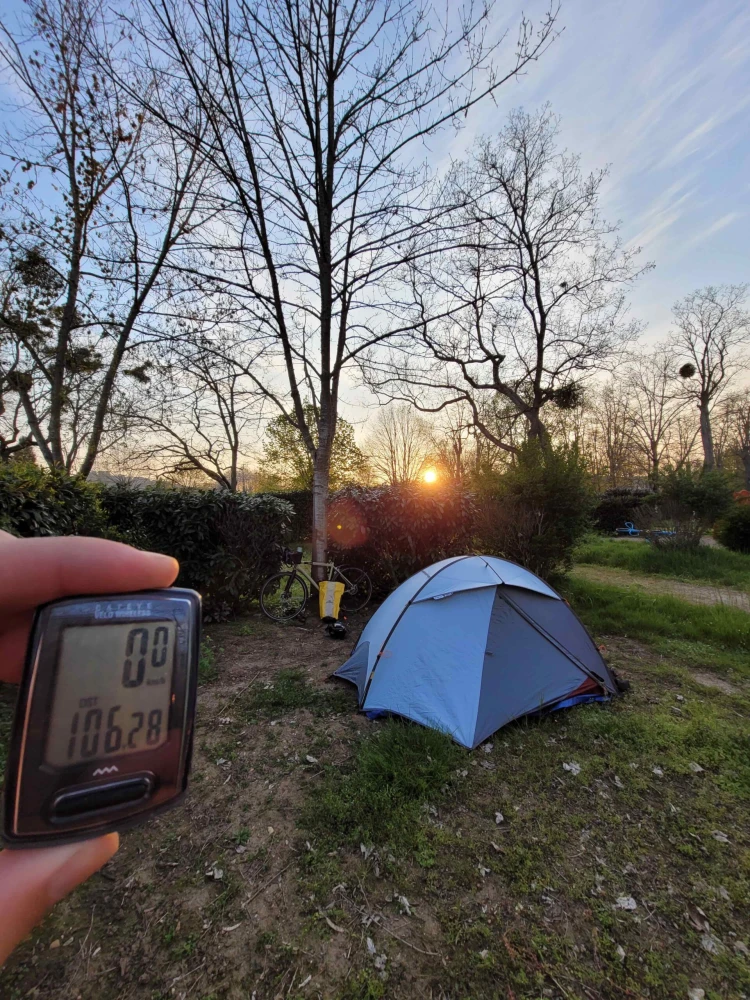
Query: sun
[(430, 476)]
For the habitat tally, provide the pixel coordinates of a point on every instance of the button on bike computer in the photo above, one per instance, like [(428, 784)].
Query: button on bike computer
[(103, 729)]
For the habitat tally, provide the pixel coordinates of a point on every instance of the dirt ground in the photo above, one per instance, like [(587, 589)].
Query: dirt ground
[(230, 897)]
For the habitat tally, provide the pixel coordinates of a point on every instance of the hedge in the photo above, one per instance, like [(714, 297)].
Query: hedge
[(394, 531), (34, 503), (623, 503), (225, 542), (300, 526)]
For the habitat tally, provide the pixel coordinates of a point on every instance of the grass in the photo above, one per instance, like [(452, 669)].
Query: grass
[(291, 692), (207, 668), (706, 564), (398, 772), (660, 619)]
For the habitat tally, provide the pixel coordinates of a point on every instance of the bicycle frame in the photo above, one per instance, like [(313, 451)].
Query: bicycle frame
[(333, 572)]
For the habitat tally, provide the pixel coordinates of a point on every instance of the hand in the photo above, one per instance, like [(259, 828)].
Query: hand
[(32, 572)]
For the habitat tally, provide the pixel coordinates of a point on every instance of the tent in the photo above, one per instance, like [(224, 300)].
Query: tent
[(471, 643)]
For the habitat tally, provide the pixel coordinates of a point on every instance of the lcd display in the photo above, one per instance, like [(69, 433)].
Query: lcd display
[(113, 690)]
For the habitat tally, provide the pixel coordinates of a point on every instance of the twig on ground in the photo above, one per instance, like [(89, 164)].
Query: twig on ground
[(422, 951), (266, 884)]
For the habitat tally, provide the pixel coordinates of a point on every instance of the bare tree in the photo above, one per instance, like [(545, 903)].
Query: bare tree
[(536, 290), (318, 115), (201, 414), (735, 418), (712, 328), (612, 439), (655, 406), (400, 445), (84, 256)]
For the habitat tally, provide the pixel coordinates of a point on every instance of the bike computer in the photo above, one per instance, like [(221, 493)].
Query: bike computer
[(103, 729)]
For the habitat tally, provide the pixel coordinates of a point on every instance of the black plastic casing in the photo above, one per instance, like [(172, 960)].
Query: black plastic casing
[(33, 787)]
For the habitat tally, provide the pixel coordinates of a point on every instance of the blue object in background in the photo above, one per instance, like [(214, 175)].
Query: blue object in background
[(629, 529), (471, 643)]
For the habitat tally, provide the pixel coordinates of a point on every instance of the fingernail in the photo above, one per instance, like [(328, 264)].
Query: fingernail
[(163, 561)]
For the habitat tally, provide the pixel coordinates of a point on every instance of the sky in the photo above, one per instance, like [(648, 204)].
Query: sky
[(659, 90)]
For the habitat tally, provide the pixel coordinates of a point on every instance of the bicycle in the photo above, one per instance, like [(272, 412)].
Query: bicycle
[(284, 595)]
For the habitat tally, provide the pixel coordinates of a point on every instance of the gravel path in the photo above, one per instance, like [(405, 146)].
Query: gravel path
[(695, 593)]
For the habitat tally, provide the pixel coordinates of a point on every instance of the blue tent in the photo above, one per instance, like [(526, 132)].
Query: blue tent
[(471, 643)]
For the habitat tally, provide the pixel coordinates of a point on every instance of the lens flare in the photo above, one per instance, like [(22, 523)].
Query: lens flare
[(430, 476)]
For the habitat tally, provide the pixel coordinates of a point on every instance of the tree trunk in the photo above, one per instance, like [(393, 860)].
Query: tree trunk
[(654, 477), (709, 461), (321, 474), (537, 430)]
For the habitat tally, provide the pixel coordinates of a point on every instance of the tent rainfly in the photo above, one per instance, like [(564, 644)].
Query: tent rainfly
[(471, 643)]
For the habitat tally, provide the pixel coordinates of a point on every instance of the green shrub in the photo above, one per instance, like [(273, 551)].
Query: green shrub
[(300, 526), (620, 504), (225, 542), (538, 510), (734, 529), (689, 503), (35, 502), (394, 531)]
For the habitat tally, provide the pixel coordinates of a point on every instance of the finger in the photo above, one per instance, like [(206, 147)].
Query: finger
[(36, 570), (13, 641), (32, 881)]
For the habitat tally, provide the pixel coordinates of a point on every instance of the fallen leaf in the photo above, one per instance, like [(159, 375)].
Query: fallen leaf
[(619, 782), (228, 930), (499, 818), (55, 943), (366, 851), (695, 768), (380, 962), (720, 837), (711, 944), (371, 946), (742, 948), (224, 720), (483, 953), (403, 902), (334, 927), (304, 983), (482, 870), (620, 952), (657, 771), (270, 830), (488, 747), (572, 767), (696, 994), (310, 759), (222, 760), (495, 846), (626, 903), (240, 849)]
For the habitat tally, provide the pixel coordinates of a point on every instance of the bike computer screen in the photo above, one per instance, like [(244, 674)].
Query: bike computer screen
[(103, 729)]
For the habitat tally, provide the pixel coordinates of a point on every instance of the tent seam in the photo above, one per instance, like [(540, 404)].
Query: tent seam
[(398, 621), (556, 642)]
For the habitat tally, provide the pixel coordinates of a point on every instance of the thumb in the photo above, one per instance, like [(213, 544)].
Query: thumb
[(32, 881)]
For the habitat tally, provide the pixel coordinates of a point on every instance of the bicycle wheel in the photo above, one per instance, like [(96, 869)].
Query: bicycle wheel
[(283, 596), (358, 591)]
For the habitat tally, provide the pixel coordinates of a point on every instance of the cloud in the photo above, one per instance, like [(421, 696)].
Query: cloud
[(713, 228)]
